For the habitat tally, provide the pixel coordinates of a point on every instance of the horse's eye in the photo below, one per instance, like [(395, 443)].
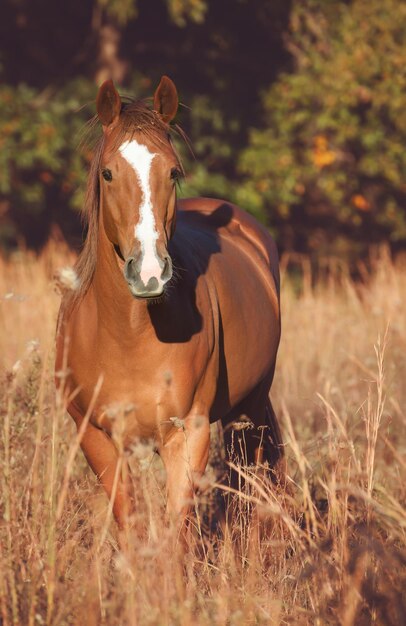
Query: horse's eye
[(107, 175), (175, 174)]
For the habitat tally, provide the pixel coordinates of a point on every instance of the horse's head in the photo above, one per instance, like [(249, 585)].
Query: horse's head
[(138, 173)]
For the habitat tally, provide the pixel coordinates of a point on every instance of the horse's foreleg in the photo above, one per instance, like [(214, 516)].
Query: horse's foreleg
[(110, 469), (185, 454)]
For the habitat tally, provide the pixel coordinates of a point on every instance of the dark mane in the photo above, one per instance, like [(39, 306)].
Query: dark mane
[(135, 117)]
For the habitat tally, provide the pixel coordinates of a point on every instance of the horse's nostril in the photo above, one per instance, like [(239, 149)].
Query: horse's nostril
[(129, 268), (167, 271)]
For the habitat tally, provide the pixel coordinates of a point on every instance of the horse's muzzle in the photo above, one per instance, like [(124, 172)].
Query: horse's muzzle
[(152, 286)]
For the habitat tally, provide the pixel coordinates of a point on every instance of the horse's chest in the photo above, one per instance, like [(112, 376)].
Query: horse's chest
[(141, 408), (138, 391)]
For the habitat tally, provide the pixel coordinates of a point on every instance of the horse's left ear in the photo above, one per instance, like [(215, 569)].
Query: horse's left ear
[(166, 99), (108, 104)]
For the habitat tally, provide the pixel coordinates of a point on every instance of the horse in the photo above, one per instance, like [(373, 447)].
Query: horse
[(176, 316)]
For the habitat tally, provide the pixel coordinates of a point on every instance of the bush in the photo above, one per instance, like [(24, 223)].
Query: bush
[(41, 169), (328, 168)]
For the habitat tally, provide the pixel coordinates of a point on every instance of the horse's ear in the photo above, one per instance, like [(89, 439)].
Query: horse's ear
[(166, 99), (108, 104)]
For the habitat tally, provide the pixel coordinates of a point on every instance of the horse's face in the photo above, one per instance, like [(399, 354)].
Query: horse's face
[(138, 197), (138, 200)]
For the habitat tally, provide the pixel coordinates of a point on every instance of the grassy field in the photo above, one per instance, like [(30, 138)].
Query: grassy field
[(331, 550)]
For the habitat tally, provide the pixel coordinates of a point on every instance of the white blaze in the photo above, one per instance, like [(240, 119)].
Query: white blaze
[(140, 159)]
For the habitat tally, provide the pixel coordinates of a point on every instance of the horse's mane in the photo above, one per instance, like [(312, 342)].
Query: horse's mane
[(135, 117)]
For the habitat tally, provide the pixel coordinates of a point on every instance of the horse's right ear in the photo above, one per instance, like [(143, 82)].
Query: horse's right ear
[(166, 99), (108, 104)]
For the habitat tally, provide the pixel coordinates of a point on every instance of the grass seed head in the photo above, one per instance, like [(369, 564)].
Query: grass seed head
[(66, 279)]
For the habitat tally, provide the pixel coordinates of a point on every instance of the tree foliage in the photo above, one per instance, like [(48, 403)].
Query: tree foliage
[(329, 165), (41, 169)]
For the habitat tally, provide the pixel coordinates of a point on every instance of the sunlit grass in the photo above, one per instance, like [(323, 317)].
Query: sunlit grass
[(328, 550)]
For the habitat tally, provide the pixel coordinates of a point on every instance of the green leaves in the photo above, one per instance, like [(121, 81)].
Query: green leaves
[(122, 10), (335, 127), (39, 137), (182, 10)]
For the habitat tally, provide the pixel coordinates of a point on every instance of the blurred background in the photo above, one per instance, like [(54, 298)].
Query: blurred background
[(295, 110)]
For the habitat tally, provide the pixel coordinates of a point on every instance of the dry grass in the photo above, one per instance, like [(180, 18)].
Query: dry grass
[(330, 551)]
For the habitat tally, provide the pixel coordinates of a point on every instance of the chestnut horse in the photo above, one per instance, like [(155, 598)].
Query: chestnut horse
[(177, 310)]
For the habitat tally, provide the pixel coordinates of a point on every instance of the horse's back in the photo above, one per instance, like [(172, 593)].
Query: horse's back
[(225, 219)]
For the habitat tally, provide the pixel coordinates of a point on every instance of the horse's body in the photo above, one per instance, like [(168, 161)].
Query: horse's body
[(203, 352)]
